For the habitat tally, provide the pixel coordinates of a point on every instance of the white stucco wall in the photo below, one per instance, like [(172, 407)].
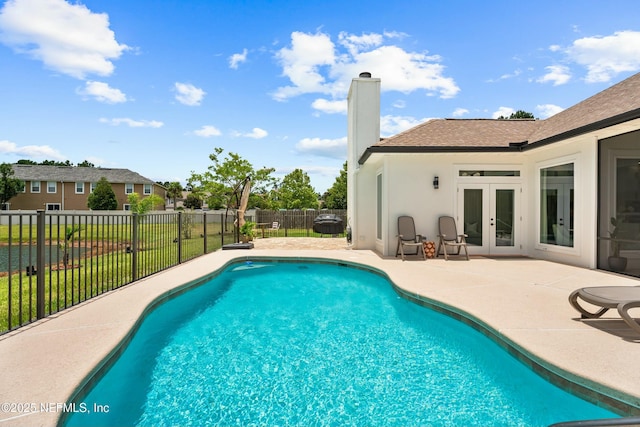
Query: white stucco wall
[(408, 190), (582, 151)]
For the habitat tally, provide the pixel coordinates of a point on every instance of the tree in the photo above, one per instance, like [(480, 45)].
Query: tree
[(9, 186), (296, 191), (174, 191), (103, 198), (218, 185), (144, 205), (520, 114), (55, 163), (86, 164), (336, 196), (193, 202)]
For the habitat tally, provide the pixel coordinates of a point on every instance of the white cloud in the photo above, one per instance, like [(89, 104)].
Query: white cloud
[(32, 151), (256, 133), (332, 148), (313, 63), (207, 131), (188, 94), (237, 58), (301, 64), (557, 74), (392, 125), (548, 110), (503, 111), (400, 103), (102, 92), (459, 112), (605, 57), (132, 123), (67, 38), (507, 76), (330, 107)]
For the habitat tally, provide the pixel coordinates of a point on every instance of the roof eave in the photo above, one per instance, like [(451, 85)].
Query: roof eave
[(592, 127), (440, 149)]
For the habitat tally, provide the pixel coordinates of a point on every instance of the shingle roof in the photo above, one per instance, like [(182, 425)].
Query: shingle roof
[(617, 100), (464, 133), (615, 105), (77, 174)]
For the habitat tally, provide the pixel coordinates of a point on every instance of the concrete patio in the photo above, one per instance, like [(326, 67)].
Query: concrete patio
[(522, 302)]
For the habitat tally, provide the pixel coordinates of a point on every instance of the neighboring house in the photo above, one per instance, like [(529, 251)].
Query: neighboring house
[(540, 188), (68, 187)]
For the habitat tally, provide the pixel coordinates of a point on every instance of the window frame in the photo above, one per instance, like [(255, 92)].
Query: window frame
[(36, 189), (82, 187), (55, 187), (127, 188), (577, 220)]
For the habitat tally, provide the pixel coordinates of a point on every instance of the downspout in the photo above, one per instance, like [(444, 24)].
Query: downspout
[(62, 196)]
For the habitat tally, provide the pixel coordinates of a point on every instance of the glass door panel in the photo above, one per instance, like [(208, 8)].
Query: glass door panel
[(504, 205), (473, 213), (488, 214)]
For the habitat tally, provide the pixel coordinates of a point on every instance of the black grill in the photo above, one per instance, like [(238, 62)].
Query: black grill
[(328, 224)]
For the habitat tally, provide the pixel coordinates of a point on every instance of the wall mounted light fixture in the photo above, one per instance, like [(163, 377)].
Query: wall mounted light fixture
[(436, 182)]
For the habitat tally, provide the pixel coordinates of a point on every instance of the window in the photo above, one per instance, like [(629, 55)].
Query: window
[(35, 186), (52, 187), (128, 188), (126, 207), (53, 206), (147, 189), (488, 173), (556, 205), (93, 186), (79, 187)]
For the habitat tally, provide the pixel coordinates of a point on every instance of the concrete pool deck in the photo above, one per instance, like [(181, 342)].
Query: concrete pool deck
[(523, 301)]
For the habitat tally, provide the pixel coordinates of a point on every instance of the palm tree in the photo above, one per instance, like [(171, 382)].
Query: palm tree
[(174, 191)]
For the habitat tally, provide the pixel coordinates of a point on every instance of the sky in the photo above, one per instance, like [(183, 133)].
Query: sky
[(155, 86)]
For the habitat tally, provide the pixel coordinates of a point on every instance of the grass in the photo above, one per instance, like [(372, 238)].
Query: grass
[(106, 264)]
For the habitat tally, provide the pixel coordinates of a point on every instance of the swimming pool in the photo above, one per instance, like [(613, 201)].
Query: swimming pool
[(287, 343)]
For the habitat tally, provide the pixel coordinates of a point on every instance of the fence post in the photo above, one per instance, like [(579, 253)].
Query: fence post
[(40, 241), (204, 229), (179, 237), (134, 247)]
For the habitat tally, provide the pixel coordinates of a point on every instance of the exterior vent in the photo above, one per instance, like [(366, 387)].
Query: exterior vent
[(365, 75)]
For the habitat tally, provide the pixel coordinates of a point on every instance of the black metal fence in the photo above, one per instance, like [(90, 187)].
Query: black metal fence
[(52, 261)]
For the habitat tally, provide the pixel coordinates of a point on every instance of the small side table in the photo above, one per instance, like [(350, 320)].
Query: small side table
[(429, 248)]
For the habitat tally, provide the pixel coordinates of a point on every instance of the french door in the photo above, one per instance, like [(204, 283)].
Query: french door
[(489, 215)]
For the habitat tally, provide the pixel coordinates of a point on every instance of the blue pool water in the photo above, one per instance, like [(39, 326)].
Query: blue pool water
[(292, 344)]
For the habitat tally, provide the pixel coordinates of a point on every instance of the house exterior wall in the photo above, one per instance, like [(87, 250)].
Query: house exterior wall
[(65, 196), (408, 190), (583, 153)]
